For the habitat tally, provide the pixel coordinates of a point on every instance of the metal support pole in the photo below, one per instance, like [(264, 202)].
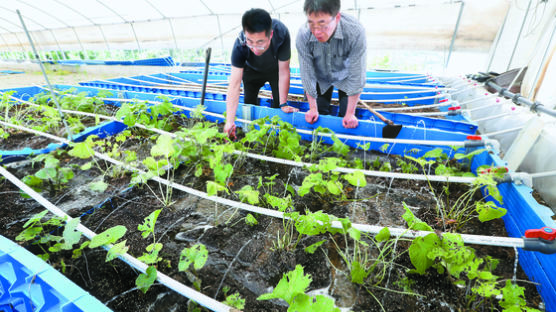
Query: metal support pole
[(104, 37), (79, 40), (530, 94), (58, 44), (173, 33), (220, 34), (497, 41), (462, 4), (135, 35), (519, 35), (46, 77)]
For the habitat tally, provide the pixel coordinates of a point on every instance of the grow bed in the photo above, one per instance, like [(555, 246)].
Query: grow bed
[(251, 258)]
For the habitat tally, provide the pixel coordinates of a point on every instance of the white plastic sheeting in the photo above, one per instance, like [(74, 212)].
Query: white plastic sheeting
[(410, 25), (540, 158)]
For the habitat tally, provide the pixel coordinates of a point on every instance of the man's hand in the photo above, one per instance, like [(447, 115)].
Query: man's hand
[(312, 116), (350, 121), (230, 130), (289, 109)]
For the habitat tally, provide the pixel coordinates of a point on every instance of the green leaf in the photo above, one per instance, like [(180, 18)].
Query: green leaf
[(489, 211), (292, 284), (235, 301), (513, 298), (334, 187), (356, 178), (84, 149), (251, 220), (32, 181), (98, 186), (152, 256), (196, 254), (117, 250), (419, 250), (435, 153), (109, 236), (413, 222), (164, 146), (312, 248), (213, 188), (86, 166), (383, 235), (47, 173), (324, 304), (145, 281), (71, 234), (248, 194), (36, 218), (148, 224), (358, 273)]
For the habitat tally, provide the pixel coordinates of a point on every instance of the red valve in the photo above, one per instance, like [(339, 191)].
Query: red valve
[(453, 108), (474, 137), (546, 233)]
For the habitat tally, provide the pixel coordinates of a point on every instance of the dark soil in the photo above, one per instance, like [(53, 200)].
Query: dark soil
[(21, 140), (244, 258)]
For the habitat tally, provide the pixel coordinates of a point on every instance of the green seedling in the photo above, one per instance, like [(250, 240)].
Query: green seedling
[(292, 287)]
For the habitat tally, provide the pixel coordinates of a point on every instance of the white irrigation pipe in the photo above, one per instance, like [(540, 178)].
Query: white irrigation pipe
[(372, 229), (502, 132), (164, 279), (380, 174)]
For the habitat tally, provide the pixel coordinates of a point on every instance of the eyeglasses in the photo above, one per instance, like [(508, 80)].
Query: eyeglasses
[(258, 46), (320, 26)]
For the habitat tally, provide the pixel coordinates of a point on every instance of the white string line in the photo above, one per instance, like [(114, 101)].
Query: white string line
[(341, 136), (394, 175), (372, 229), (169, 282)]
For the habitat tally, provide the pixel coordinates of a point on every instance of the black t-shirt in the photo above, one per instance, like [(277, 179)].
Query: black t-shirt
[(279, 50)]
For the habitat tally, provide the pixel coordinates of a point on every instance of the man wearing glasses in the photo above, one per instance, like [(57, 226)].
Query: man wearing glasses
[(261, 53), (332, 53)]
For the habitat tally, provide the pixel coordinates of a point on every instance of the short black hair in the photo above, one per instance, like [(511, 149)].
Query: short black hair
[(257, 20), (331, 7)]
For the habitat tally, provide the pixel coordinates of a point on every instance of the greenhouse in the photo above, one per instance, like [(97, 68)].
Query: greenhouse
[(280, 155)]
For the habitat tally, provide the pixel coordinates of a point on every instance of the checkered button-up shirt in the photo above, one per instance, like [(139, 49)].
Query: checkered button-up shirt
[(341, 62)]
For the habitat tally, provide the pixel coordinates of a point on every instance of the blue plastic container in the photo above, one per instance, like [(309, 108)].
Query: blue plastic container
[(27, 284)]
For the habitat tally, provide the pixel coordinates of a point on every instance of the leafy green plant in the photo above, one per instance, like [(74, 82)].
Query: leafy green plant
[(292, 287), (51, 175), (233, 300), (323, 178), (195, 256), (447, 254), (406, 167)]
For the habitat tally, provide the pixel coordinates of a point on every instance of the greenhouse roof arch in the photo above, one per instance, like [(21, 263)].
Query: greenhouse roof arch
[(147, 25)]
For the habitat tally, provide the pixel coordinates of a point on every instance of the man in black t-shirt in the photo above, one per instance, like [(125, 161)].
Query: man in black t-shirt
[(261, 53)]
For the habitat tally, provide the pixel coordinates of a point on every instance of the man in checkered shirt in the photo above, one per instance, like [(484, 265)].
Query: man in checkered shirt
[(332, 53)]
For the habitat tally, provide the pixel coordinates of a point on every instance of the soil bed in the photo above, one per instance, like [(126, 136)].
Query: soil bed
[(244, 257)]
